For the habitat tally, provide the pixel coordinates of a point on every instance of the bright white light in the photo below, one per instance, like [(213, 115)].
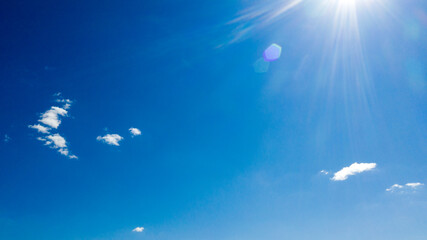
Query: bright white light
[(348, 2)]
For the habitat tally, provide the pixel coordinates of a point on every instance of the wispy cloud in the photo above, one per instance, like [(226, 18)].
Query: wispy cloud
[(67, 103), (324, 172), (404, 188), (51, 120), (6, 138), (56, 141), (40, 128), (138, 229), (135, 131), (111, 139), (353, 169)]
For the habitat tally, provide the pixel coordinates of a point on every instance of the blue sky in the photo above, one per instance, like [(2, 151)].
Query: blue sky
[(326, 142)]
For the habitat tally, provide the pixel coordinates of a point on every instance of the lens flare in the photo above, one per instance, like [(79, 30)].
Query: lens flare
[(272, 53)]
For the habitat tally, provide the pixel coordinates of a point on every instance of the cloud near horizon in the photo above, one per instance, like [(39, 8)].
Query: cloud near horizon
[(111, 139), (353, 169)]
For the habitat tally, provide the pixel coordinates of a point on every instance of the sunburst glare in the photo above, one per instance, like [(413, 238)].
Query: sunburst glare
[(334, 48)]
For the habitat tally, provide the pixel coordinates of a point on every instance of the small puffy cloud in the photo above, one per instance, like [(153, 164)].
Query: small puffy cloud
[(51, 116), (324, 172), (111, 139), (404, 188), (135, 131), (138, 229), (353, 169), (6, 138), (40, 128)]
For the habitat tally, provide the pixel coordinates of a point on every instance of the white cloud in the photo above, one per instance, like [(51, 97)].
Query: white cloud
[(46, 142), (414, 185), (138, 229), (67, 106), (51, 116), (64, 101), (135, 131), (41, 139), (63, 151), (324, 172), (67, 103), (40, 128), (111, 139), (394, 188), (353, 169), (404, 188), (58, 140)]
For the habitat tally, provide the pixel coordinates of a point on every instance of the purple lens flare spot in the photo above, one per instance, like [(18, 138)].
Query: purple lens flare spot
[(272, 53)]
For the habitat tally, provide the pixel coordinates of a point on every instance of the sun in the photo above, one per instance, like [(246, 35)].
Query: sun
[(347, 3)]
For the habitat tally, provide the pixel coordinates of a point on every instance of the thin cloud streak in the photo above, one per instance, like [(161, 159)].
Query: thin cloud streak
[(405, 188), (40, 128)]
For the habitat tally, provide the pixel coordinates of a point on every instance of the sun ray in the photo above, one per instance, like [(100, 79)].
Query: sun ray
[(260, 15)]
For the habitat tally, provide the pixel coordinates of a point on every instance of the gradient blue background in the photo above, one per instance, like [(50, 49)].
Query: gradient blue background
[(225, 152)]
